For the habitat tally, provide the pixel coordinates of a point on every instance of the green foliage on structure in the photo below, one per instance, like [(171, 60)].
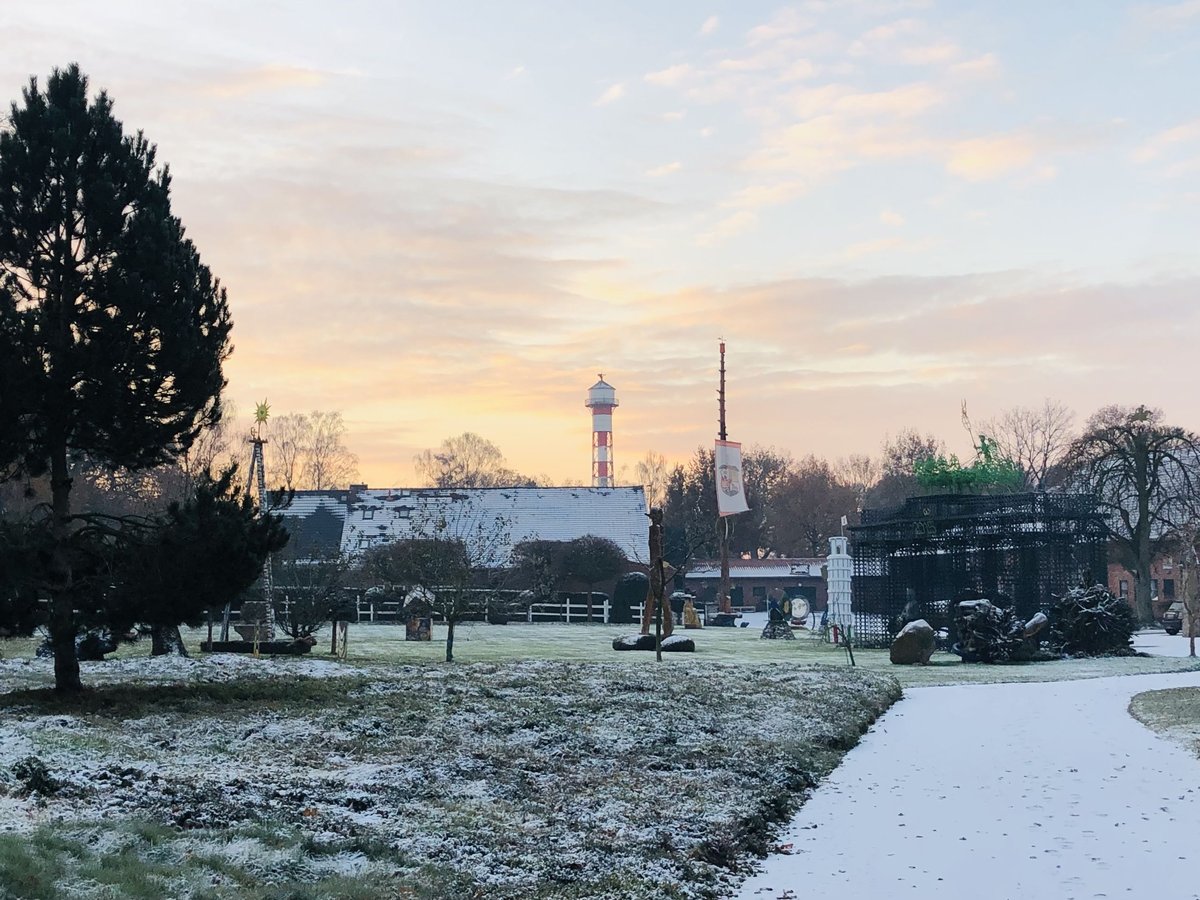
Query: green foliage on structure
[(989, 473)]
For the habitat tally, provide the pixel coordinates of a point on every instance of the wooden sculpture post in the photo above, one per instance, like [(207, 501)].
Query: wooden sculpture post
[(654, 605)]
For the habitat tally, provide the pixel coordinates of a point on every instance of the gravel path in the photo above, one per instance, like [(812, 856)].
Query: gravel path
[(999, 792)]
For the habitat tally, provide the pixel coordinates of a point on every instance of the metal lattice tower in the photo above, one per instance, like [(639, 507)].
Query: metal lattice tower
[(258, 478)]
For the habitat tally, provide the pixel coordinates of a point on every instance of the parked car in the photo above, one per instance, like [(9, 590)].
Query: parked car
[(1172, 619)]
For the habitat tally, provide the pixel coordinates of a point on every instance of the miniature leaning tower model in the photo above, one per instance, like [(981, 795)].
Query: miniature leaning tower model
[(602, 400), (839, 570)]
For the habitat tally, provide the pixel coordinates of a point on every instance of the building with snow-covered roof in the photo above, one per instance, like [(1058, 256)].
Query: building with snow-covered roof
[(315, 521), (380, 516), (325, 523)]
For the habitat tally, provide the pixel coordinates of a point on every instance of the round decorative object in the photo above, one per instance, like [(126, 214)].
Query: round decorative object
[(800, 608)]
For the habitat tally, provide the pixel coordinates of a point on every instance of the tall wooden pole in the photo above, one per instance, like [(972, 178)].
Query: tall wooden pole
[(722, 523)]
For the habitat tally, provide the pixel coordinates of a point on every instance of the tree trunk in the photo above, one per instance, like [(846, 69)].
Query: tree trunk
[(166, 639), (62, 600), (333, 640), (1145, 610), (449, 640)]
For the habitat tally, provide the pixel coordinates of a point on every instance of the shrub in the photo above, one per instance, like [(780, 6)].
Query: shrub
[(35, 777), (1091, 622)]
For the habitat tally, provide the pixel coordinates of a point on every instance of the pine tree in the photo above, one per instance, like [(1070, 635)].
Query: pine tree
[(112, 331)]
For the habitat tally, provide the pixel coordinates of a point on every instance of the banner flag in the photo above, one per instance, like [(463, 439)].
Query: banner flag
[(731, 490)]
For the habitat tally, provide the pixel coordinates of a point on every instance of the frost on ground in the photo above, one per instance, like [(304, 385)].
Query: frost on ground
[(996, 792), (534, 779), (1174, 713)]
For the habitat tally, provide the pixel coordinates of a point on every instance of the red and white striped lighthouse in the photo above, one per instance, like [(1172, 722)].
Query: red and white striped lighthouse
[(602, 400)]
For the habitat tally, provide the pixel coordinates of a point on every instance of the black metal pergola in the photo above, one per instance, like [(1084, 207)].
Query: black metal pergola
[(1017, 550)]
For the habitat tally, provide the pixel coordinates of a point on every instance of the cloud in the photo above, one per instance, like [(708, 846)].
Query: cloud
[(672, 76), (612, 94), (892, 218), (1164, 142), (757, 196), (710, 26), (931, 54), (985, 158), (1171, 15), (977, 67), (263, 79), (666, 169), (786, 23), (728, 227)]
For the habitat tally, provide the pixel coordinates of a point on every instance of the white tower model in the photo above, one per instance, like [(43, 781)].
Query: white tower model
[(840, 568), (602, 400)]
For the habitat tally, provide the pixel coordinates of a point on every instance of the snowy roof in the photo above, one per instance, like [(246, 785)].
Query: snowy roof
[(796, 567), (315, 521), (379, 516)]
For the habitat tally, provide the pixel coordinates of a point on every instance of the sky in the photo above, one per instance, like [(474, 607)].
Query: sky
[(438, 218)]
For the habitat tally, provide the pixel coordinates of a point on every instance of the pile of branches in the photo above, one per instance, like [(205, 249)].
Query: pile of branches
[(988, 633), (1091, 622)]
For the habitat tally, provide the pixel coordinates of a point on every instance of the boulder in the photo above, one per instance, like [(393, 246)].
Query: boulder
[(914, 644), (677, 643), (674, 644)]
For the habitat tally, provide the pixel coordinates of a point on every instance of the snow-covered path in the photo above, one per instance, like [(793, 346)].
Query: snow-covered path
[(1048, 791)]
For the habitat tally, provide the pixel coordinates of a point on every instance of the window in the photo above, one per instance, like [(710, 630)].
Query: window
[(369, 513), (1153, 587), (1168, 588), (1123, 589)]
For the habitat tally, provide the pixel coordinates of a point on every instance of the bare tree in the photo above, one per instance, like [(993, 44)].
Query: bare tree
[(308, 590), (1036, 439), (1187, 536), (897, 479), (307, 451), (810, 508), (1144, 476), (467, 461), (328, 463), (859, 472), (452, 550), (653, 473), (290, 436)]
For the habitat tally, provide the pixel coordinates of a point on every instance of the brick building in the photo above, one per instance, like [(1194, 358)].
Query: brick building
[(751, 581)]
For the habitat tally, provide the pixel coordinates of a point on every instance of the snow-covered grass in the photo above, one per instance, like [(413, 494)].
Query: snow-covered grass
[(376, 647), (541, 764), (1174, 713), (501, 779)]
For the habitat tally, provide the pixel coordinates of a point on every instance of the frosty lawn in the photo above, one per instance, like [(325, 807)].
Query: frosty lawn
[(535, 779), (550, 766)]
